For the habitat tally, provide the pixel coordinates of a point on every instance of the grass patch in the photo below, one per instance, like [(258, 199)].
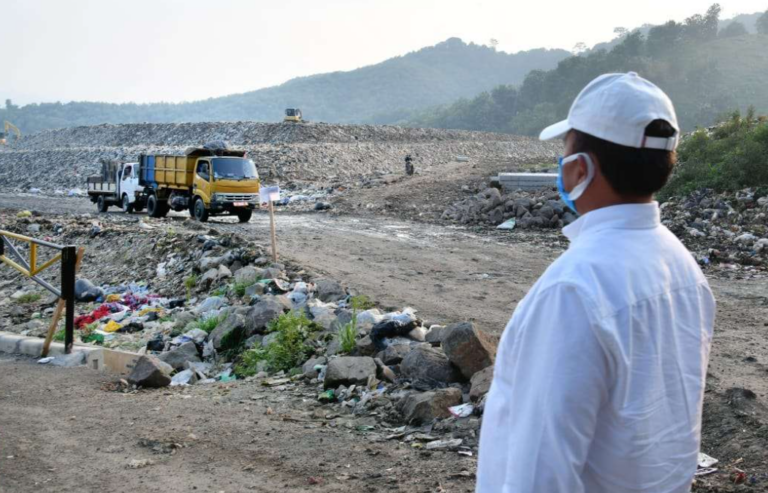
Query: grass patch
[(29, 298), (209, 324), (240, 287), (189, 283), (348, 332), (731, 157), (60, 335), (220, 291), (287, 352)]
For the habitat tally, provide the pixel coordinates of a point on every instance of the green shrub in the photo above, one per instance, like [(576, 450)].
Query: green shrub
[(208, 324), (288, 351), (240, 287), (348, 332), (190, 282), (731, 157), (60, 335), (29, 298)]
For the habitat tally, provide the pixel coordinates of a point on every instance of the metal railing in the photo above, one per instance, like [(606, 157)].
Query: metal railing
[(69, 257)]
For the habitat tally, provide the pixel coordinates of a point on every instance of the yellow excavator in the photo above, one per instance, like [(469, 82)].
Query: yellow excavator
[(293, 115), (9, 127)]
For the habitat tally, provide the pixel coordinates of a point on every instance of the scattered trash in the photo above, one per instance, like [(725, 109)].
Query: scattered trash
[(43, 361), (706, 461), (444, 444), (139, 463), (508, 224), (462, 411)]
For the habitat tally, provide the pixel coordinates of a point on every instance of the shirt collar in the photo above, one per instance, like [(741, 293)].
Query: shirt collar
[(624, 216)]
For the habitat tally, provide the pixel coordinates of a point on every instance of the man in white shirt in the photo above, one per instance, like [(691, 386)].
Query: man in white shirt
[(599, 376)]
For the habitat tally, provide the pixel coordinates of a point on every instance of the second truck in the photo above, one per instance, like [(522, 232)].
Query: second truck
[(206, 181)]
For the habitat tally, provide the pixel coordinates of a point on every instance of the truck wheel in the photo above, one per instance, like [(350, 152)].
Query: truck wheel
[(127, 206), (156, 207), (101, 204), (201, 214), (244, 216)]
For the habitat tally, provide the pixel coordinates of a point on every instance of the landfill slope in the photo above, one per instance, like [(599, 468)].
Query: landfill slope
[(62, 159)]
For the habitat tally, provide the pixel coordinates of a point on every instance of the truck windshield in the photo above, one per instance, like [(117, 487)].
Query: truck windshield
[(234, 169)]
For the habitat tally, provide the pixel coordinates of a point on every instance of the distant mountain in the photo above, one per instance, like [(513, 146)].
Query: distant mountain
[(708, 74), (379, 93)]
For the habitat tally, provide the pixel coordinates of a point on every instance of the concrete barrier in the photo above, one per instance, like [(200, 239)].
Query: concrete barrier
[(526, 181), (96, 358)]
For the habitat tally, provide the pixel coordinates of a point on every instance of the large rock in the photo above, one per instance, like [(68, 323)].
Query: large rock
[(150, 372), (481, 383), (470, 349), (394, 354), (435, 335), (424, 407), (247, 275), (211, 303), (308, 368), (232, 326), (328, 290), (349, 370), (261, 314), (179, 356), (429, 365)]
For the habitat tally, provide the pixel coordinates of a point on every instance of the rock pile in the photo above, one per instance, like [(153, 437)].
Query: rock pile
[(530, 209), (725, 229), (197, 306), (62, 159)]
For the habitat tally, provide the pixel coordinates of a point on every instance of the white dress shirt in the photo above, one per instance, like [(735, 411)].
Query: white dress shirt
[(599, 376)]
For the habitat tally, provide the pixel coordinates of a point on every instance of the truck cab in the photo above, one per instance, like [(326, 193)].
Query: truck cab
[(224, 184)]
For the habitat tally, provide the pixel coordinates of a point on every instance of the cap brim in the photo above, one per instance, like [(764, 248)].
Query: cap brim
[(556, 131)]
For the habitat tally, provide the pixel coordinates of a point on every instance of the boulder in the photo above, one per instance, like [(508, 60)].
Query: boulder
[(248, 275), (425, 407), (435, 335), (210, 304), (349, 370), (150, 372), (308, 368), (365, 347), (481, 383), (394, 354), (430, 365), (231, 325), (182, 354), (470, 349), (261, 314), (328, 290)]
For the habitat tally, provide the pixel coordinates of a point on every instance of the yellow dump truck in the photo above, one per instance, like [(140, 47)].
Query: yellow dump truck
[(205, 181)]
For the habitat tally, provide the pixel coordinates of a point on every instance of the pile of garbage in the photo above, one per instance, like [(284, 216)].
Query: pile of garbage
[(206, 308), (725, 229), (519, 209), (62, 159)]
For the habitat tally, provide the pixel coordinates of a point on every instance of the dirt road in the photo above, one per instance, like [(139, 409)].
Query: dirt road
[(448, 274)]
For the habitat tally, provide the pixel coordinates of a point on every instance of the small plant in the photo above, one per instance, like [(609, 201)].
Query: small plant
[(60, 335), (209, 324), (220, 291), (348, 331), (189, 283), (288, 351), (28, 298), (241, 287)]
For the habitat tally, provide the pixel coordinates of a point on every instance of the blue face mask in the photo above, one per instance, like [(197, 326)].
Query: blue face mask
[(569, 198)]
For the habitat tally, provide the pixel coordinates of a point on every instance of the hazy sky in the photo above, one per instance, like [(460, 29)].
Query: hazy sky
[(177, 50)]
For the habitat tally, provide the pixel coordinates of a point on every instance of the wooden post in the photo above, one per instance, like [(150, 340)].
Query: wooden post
[(272, 230), (59, 310)]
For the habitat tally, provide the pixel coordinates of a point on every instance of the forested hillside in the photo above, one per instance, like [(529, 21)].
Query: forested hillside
[(383, 92), (707, 72)]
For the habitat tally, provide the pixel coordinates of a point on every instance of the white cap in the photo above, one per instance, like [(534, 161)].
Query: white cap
[(617, 108)]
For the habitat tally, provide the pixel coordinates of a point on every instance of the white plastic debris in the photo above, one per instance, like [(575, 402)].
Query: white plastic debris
[(706, 461), (444, 444), (44, 361), (508, 224), (182, 378), (462, 411)]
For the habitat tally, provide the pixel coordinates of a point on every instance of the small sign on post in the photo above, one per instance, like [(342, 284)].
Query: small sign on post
[(267, 196)]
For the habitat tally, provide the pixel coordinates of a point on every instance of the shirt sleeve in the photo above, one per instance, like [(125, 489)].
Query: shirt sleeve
[(550, 383)]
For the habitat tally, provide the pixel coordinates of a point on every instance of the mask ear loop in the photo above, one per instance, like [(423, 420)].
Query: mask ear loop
[(579, 189)]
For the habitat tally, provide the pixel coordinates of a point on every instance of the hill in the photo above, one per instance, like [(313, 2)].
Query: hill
[(705, 73), (377, 93)]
